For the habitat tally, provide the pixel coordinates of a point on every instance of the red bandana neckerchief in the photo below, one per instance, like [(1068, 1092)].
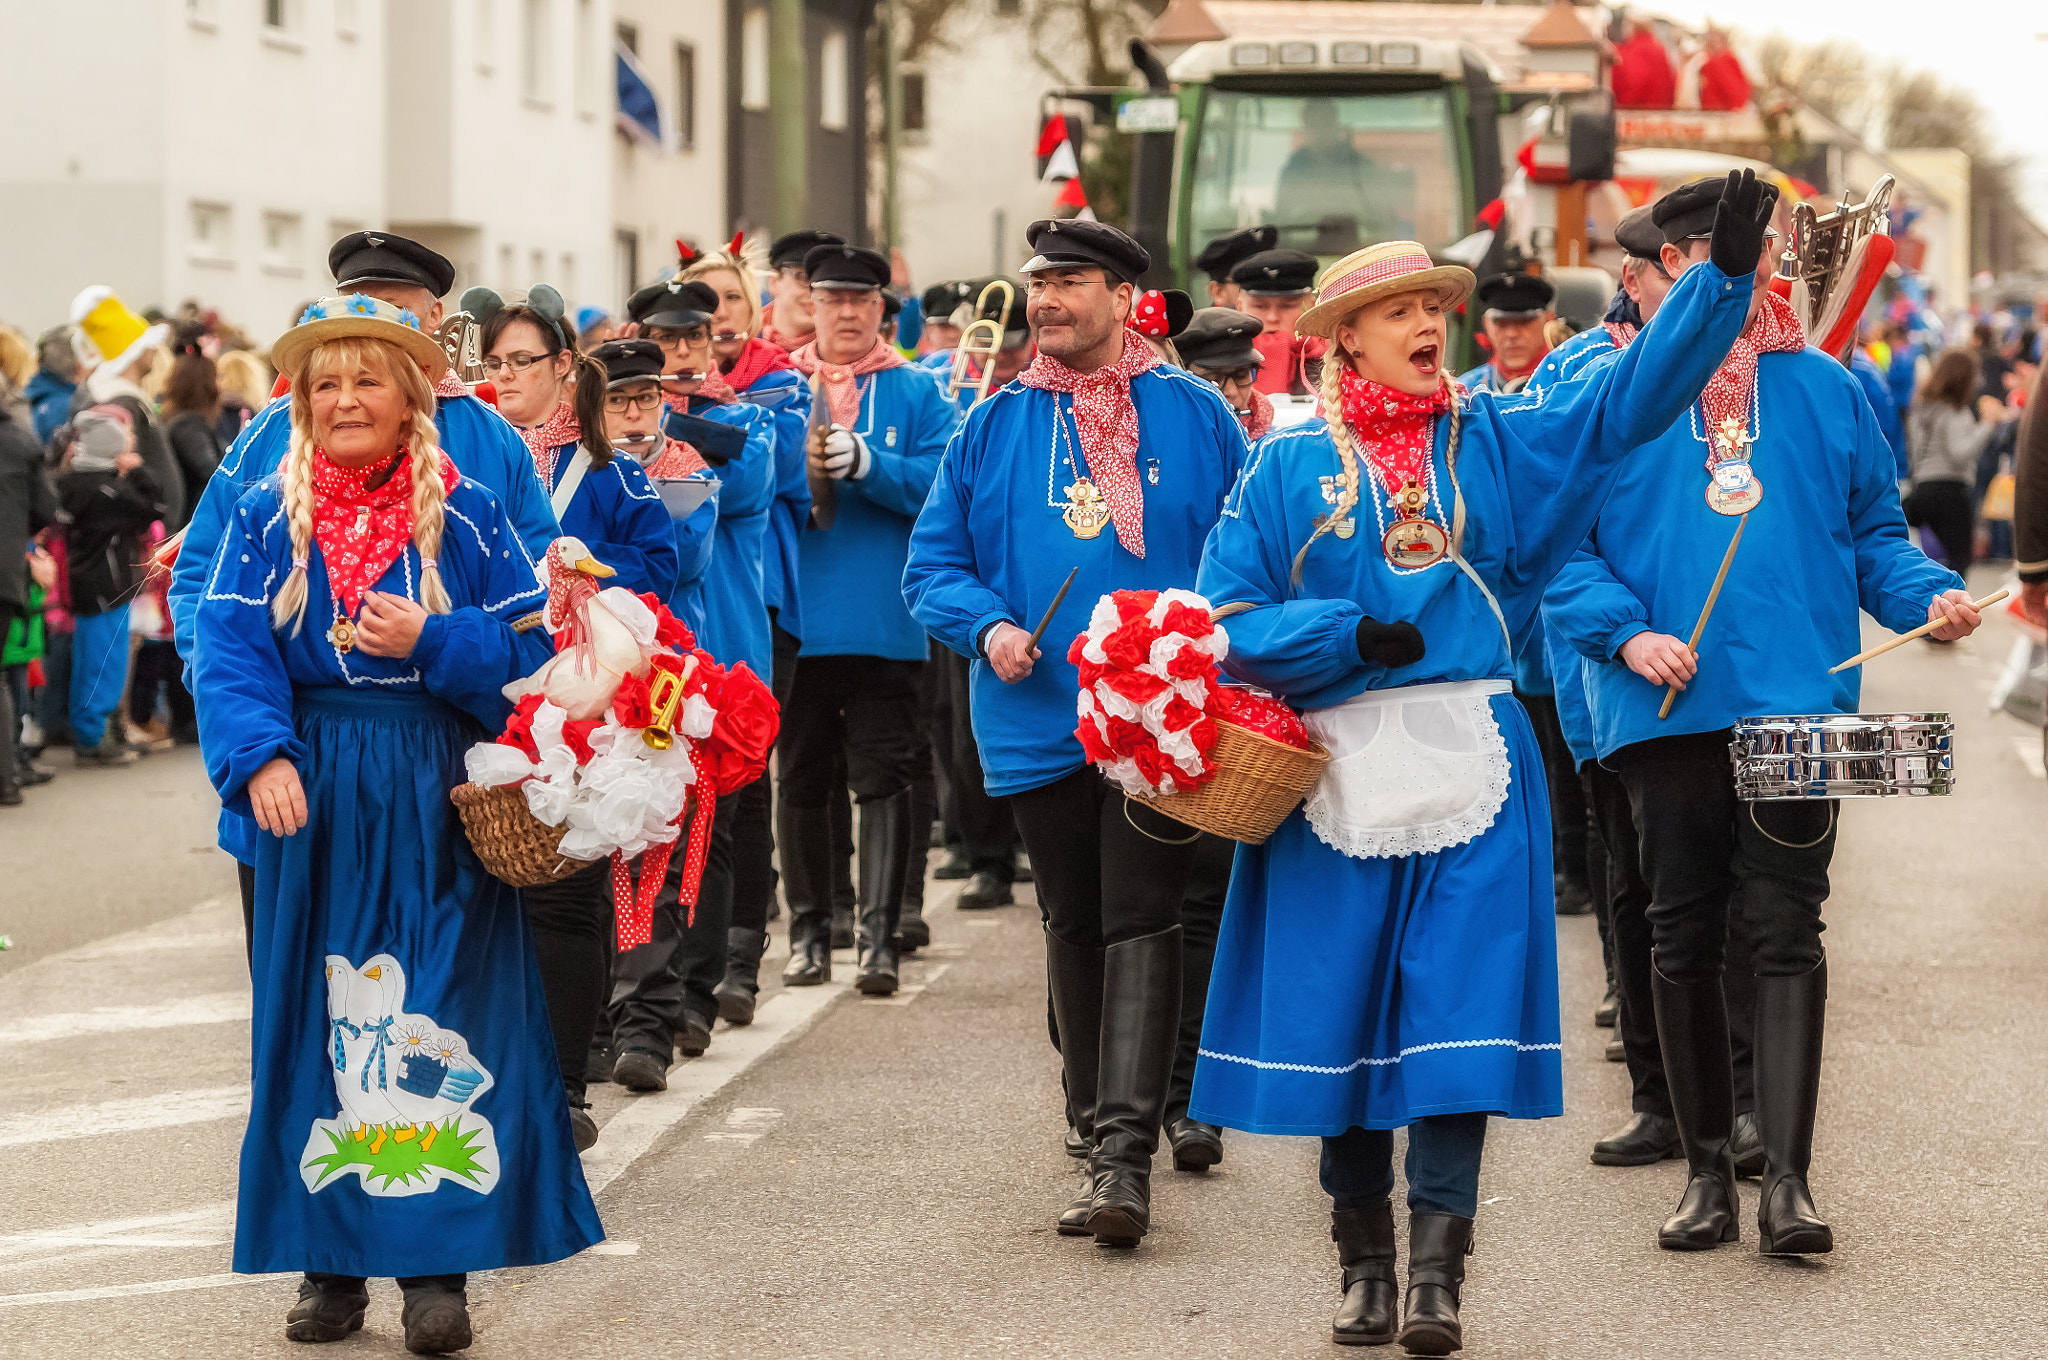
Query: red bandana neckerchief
[(1392, 426), (362, 529), (842, 381), (676, 460), (1774, 330), (448, 385), (1258, 418), (1106, 423), (757, 360), (680, 458), (546, 439), (1621, 332)]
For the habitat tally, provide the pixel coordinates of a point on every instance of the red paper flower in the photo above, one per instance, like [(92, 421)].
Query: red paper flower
[(1092, 744), (1137, 686), (577, 734), (744, 732), (519, 727), (1178, 714), (1182, 619), (1151, 764), (669, 630), (1130, 646), (632, 705)]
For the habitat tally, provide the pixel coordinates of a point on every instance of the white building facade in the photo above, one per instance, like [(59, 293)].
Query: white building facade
[(674, 186)]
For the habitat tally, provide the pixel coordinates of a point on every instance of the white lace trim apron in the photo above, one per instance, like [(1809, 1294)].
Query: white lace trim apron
[(1412, 770)]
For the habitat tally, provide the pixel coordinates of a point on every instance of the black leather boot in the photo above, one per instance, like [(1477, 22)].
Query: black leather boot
[(1692, 1030), (884, 855), (1437, 1244), (737, 991), (1196, 1146), (1644, 1140), (329, 1308), (1746, 1146), (1141, 982), (436, 1314), (1365, 1248), (803, 842), (1073, 974), (10, 762), (1791, 1012)]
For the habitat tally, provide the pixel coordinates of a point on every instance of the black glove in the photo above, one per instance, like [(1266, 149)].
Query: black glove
[(1740, 220), (1392, 645)]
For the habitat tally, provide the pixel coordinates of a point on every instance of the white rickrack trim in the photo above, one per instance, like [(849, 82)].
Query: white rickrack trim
[(1348, 1068), (482, 547), (627, 486), (493, 608)]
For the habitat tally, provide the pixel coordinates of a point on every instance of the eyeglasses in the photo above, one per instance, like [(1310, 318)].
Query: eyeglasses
[(670, 335), (618, 403), (1236, 376), (1039, 284), (518, 363)]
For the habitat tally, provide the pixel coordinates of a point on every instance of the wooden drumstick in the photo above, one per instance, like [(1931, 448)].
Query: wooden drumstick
[(1922, 631), (1050, 610), (1671, 694)]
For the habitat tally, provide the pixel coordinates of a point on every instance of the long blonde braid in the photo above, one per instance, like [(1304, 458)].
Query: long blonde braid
[(428, 493), (1332, 395)]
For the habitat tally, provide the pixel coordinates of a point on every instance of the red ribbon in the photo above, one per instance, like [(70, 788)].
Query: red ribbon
[(634, 908)]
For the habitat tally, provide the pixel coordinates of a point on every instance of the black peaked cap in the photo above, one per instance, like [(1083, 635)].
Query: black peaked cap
[(1071, 241), (629, 361), (1688, 211), (1276, 273), (1221, 254), (1220, 338), (673, 304), (791, 247), (1637, 234), (844, 266), (1515, 294), (380, 257)]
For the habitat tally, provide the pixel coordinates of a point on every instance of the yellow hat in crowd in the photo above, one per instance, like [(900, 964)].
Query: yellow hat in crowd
[(117, 333)]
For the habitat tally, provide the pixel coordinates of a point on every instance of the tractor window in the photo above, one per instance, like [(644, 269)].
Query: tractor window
[(1333, 172)]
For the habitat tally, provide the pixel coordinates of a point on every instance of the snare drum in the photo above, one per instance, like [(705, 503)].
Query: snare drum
[(1843, 755)]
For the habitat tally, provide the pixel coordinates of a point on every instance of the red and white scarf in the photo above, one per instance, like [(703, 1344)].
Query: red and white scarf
[(448, 385), (842, 381), (758, 358), (1621, 332), (1258, 417), (362, 529), (1106, 423), (1392, 426), (1774, 330), (546, 439), (677, 459)]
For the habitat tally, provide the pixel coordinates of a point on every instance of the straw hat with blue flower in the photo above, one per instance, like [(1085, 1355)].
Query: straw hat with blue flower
[(358, 316)]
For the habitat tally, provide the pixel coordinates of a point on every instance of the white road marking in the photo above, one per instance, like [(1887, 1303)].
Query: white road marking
[(215, 1008), (613, 1249), (2029, 751), (122, 1291), (125, 1116), (910, 992), (212, 1220)]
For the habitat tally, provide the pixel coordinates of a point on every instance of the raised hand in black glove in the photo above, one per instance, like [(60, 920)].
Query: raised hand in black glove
[(1392, 645), (1740, 220)]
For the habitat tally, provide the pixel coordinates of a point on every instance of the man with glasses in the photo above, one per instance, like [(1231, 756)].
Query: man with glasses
[(787, 320), (855, 695), (1219, 347), (1103, 460), (1277, 286), (479, 441), (667, 987), (1514, 309)]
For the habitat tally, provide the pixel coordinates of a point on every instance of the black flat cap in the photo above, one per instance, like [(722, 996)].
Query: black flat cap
[(673, 305), (629, 361), (1162, 313), (1276, 273), (1063, 243), (791, 247), (1220, 338), (1638, 235), (1220, 255), (892, 303), (380, 257), (941, 300), (1687, 212), (843, 266), (1515, 295)]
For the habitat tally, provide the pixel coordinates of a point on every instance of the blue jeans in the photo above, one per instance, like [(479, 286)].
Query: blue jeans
[(1443, 1165), (99, 669)]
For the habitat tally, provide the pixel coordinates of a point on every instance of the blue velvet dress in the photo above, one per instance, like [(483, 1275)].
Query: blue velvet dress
[(406, 1114)]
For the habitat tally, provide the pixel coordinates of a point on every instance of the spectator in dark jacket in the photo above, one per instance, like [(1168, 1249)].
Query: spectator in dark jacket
[(57, 377), (2030, 503), (191, 410), (109, 501), (26, 507)]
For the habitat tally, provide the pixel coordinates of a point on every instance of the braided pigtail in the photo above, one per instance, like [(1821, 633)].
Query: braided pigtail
[(289, 604), (1332, 395), (429, 495), (1451, 466)]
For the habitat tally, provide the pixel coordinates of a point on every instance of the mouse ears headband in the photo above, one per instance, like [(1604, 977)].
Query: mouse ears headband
[(483, 303)]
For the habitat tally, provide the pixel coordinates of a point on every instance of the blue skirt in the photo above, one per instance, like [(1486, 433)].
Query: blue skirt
[(407, 1115), (1371, 992)]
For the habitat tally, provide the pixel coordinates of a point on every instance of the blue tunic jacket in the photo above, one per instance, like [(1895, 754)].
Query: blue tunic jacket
[(244, 670), (853, 572), (1535, 468), (1827, 537), (619, 516), (735, 611), (787, 397), (991, 546)]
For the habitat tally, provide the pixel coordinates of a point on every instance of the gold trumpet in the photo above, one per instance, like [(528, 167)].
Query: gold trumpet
[(665, 697), (982, 339)]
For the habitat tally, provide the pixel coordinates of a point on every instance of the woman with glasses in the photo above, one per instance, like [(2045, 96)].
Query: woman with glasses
[(554, 395)]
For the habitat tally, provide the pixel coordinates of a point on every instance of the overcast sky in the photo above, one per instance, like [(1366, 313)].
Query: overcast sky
[(1996, 48)]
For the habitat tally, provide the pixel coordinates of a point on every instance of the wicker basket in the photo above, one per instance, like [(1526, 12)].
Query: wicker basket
[(1258, 782), (514, 845)]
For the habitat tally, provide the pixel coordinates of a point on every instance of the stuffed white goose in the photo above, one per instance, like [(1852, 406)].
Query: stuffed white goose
[(609, 633)]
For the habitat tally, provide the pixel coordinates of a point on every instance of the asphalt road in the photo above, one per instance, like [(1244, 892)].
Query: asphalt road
[(862, 1178)]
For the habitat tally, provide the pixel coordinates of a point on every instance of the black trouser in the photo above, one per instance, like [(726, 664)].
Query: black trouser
[(753, 833), (673, 975), (1946, 508), (569, 920), (982, 824), (1706, 855), (451, 1284), (862, 706), (1108, 870), (1201, 921), (157, 669), (1567, 800)]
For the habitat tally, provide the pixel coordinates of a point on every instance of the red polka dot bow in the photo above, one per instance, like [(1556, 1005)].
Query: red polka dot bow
[(1148, 315)]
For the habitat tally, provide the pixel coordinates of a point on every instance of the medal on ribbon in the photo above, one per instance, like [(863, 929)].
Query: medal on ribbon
[(1087, 511), (1413, 542), (1734, 488)]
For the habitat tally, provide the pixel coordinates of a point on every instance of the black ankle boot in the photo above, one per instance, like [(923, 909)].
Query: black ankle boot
[(1073, 974), (803, 842), (1196, 1146), (1365, 1248), (436, 1314), (1437, 1244), (884, 855), (737, 990), (329, 1308), (1692, 1030), (1140, 1021), (1791, 1012)]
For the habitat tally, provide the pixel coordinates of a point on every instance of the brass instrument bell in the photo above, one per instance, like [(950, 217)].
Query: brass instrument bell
[(462, 338), (665, 697), (981, 339)]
